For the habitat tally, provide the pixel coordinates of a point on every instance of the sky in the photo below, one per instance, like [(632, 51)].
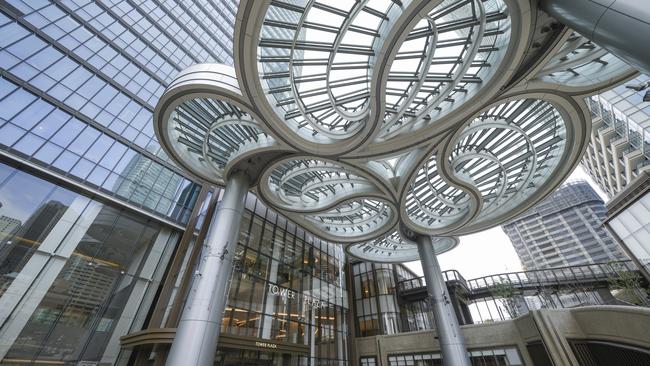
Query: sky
[(490, 252)]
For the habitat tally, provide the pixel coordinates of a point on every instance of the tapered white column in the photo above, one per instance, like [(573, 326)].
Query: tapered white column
[(619, 26), (452, 343), (198, 329)]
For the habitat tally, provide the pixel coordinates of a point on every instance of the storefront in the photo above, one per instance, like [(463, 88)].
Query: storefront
[(233, 357), (287, 300), (287, 290), (250, 351)]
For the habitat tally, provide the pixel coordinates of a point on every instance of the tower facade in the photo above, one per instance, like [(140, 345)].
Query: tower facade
[(619, 148), (92, 210), (564, 230)]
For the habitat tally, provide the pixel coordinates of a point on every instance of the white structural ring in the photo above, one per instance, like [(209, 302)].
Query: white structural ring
[(392, 248), (336, 77), (497, 165), (354, 119), (205, 125)]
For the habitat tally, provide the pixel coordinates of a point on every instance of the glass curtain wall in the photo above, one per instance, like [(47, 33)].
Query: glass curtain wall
[(416, 315), (287, 286), (75, 274), (489, 357), (377, 304), (75, 103), (375, 298), (632, 226)]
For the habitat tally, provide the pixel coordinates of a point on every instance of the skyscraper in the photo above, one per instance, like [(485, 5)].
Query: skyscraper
[(26, 238), (101, 205), (563, 230), (619, 149), (618, 159), (80, 81), (8, 226)]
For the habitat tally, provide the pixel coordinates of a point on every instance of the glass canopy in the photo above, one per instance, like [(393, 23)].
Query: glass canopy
[(441, 117)]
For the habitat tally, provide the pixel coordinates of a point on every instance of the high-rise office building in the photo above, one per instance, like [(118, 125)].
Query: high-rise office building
[(8, 226), (18, 245), (619, 148), (79, 84), (92, 209), (564, 229)]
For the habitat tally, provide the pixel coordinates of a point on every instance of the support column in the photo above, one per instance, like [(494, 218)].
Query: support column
[(452, 343), (269, 308), (198, 329), (619, 26), (312, 336)]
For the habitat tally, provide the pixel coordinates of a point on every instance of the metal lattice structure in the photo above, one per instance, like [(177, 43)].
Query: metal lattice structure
[(353, 118)]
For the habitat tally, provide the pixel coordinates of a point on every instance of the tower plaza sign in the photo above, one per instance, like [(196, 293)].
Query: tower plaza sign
[(275, 290)]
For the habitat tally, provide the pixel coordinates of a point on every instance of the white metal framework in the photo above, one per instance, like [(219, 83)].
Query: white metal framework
[(391, 248), (580, 63), (443, 116)]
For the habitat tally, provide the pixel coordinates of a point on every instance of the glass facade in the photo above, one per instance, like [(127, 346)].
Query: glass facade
[(75, 274), (491, 357), (375, 300), (376, 287), (90, 271), (238, 357), (629, 220), (288, 286), (80, 80), (50, 136)]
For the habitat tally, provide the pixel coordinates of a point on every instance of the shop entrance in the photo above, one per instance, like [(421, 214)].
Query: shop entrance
[(244, 357)]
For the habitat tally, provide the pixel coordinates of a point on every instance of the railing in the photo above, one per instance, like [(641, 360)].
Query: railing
[(414, 283), (420, 282), (560, 276), (624, 126), (555, 288), (453, 275), (554, 276)]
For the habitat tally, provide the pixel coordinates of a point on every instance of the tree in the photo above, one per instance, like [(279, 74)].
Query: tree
[(629, 282), (506, 291)]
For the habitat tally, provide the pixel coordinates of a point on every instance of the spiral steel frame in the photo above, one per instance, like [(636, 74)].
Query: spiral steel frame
[(355, 117)]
